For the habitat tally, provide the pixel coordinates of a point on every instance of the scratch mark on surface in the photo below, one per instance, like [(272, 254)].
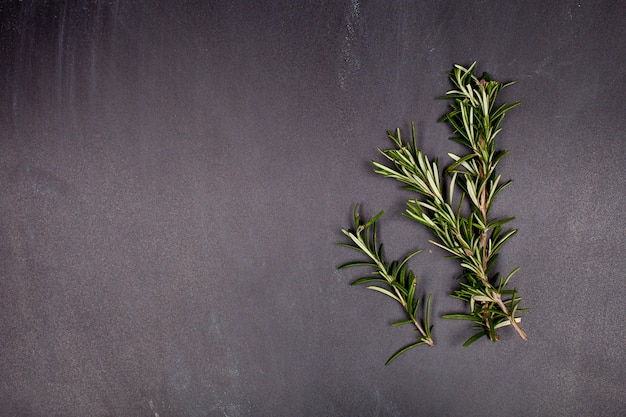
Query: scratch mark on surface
[(350, 60)]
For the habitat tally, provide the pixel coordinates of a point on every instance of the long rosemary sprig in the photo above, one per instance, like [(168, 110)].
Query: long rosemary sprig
[(392, 279), (474, 239)]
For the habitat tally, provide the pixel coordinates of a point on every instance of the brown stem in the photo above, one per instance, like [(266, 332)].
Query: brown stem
[(483, 246), (483, 213), (498, 299)]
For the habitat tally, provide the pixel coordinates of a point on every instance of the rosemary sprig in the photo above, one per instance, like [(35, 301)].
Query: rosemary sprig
[(392, 279), (474, 239)]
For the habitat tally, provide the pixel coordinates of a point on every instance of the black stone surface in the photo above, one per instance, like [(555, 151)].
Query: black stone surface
[(174, 176)]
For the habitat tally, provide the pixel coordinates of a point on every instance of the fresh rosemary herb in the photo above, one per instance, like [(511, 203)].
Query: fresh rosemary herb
[(390, 278), (475, 239)]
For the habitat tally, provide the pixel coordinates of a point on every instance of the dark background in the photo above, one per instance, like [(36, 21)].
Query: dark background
[(174, 177)]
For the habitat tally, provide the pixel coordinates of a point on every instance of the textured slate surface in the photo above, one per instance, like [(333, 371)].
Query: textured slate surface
[(174, 177)]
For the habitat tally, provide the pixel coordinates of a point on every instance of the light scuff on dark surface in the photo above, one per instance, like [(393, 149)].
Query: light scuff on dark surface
[(175, 176)]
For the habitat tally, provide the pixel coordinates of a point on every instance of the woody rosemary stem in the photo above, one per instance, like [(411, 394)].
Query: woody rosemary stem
[(494, 294), (483, 208)]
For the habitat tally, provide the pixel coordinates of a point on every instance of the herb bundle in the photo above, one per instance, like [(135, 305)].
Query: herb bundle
[(460, 222), (475, 238)]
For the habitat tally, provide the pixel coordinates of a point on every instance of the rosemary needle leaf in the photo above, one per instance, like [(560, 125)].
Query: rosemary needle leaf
[(384, 291), (373, 220), (499, 222), (400, 323), (474, 338), (367, 280), (401, 351), (507, 322), (458, 316), (356, 263)]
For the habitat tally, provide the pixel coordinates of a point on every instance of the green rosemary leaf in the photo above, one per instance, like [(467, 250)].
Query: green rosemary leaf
[(374, 219), (401, 351), (508, 277), (412, 284), (457, 252), (384, 291), (409, 256), (498, 244), (415, 305), (400, 323), (507, 322), (427, 325), (347, 245), (462, 161), (497, 116), (392, 268), (459, 316), (366, 280), (356, 263), (460, 139), (498, 156), (502, 186), (474, 338), (499, 222), (474, 268)]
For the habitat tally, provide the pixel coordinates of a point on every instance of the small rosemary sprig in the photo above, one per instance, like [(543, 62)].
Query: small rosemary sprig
[(474, 239), (390, 278)]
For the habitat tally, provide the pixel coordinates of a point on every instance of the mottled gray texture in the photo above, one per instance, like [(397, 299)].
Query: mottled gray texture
[(174, 178)]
